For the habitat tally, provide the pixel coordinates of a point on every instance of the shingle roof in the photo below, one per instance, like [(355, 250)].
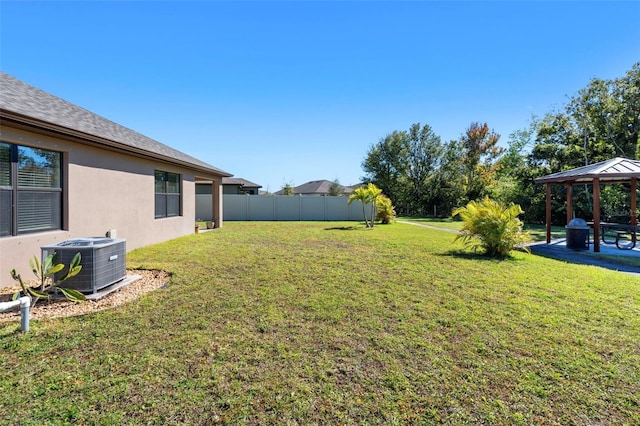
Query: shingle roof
[(617, 169), (239, 181), (318, 187), (20, 100), (313, 187)]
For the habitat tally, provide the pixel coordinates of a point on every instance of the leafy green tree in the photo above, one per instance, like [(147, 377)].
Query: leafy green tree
[(287, 189), (607, 114), (385, 164), (519, 144), (446, 185), (335, 189), (404, 164), (420, 173), (515, 174), (424, 153), (492, 227), (601, 122), (480, 148), (558, 144), (627, 115)]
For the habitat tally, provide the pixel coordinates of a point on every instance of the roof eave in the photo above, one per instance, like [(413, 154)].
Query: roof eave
[(587, 178), (29, 123)]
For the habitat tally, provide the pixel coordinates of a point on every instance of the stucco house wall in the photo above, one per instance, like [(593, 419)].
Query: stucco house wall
[(104, 187)]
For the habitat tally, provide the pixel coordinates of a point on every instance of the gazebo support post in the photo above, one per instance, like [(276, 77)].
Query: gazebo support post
[(548, 213), (634, 220), (569, 201), (596, 215)]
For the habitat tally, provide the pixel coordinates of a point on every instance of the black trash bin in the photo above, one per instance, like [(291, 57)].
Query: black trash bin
[(577, 234)]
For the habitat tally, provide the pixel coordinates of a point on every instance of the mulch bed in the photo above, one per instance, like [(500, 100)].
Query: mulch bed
[(58, 308)]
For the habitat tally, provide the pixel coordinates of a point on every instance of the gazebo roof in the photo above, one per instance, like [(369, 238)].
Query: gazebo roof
[(617, 170)]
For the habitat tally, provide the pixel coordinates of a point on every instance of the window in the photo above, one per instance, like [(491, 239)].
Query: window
[(30, 189), (167, 194)]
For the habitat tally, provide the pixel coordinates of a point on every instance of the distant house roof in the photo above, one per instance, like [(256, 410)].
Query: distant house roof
[(313, 187), (317, 187), (240, 181), (617, 169), (27, 105)]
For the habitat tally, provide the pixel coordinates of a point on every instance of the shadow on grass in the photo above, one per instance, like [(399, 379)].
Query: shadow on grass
[(342, 228), (429, 219), (468, 255)]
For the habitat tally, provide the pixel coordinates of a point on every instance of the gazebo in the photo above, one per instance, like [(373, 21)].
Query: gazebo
[(617, 170)]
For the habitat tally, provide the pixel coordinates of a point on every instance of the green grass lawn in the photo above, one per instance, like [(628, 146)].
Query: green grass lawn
[(331, 323), (537, 232)]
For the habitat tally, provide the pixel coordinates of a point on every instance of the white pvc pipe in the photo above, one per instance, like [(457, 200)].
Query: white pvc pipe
[(25, 303), (5, 306)]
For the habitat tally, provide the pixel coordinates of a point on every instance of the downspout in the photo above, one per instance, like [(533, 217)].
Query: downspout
[(25, 303)]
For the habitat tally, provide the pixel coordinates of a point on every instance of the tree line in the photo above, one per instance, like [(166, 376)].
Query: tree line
[(423, 175)]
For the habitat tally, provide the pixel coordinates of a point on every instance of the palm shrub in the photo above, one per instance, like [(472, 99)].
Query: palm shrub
[(374, 196), (385, 212), (367, 194), (361, 195), (492, 226)]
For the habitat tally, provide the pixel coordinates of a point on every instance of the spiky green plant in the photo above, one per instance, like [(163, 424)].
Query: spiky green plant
[(492, 227), (45, 273), (385, 213)]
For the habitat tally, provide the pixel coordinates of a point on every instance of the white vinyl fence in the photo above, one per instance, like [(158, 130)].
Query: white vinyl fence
[(283, 208)]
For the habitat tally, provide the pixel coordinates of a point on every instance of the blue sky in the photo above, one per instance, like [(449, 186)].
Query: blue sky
[(288, 92)]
